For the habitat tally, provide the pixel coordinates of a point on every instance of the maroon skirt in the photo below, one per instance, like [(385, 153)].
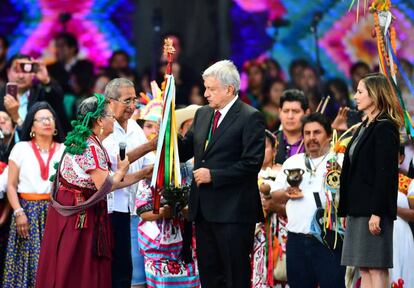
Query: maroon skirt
[(70, 254)]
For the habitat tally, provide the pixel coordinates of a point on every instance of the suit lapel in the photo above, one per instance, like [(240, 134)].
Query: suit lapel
[(361, 140), (204, 126), (228, 120)]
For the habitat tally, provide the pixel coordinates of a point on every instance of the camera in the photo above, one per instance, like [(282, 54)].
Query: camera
[(29, 67)]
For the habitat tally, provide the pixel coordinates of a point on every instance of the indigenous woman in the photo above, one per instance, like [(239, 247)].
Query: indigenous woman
[(77, 245), (369, 183), (271, 102), (403, 249), (30, 165), (161, 236), (269, 246), (160, 239)]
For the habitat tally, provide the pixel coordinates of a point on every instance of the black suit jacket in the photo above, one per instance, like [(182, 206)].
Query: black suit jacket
[(369, 183), (51, 93), (234, 156)]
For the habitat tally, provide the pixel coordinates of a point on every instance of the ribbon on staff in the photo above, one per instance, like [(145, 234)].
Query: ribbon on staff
[(167, 163)]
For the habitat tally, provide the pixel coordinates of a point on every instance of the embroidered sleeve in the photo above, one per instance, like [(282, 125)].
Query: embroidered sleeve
[(410, 193), (93, 158), (143, 201), (144, 194)]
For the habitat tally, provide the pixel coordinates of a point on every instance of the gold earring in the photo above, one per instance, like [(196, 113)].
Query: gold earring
[(56, 132), (101, 131), (32, 134)]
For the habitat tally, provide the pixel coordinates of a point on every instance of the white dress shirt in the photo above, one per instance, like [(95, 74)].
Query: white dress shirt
[(223, 111), (123, 200)]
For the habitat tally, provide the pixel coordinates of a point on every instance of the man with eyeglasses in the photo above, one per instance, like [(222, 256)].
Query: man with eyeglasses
[(122, 99), (7, 140)]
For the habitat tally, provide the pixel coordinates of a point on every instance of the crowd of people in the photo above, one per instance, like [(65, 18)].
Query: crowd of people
[(273, 201)]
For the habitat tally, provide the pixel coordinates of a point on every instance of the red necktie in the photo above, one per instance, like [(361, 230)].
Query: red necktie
[(216, 120)]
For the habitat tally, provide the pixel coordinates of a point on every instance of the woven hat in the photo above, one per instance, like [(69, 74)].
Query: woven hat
[(185, 114), (152, 111)]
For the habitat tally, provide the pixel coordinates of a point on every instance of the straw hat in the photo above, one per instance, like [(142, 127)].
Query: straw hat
[(185, 114)]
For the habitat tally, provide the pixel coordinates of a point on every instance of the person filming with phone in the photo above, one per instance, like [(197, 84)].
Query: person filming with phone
[(28, 83)]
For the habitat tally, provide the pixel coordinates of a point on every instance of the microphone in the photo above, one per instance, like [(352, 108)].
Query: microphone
[(122, 147)]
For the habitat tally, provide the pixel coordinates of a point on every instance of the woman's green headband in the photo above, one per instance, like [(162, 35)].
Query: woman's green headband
[(75, 141)]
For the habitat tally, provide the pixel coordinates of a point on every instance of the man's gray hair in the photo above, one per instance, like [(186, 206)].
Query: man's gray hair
[(226, 73), (112, 88)]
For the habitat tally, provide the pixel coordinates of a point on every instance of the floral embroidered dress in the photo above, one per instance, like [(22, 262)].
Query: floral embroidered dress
[(269, 246), (161, 242), (76, 250), (403, 242)]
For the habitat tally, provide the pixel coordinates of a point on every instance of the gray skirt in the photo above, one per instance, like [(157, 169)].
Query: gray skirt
[(362, 249)]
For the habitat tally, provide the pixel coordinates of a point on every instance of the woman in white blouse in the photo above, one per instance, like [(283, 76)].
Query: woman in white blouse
[(30, 165)]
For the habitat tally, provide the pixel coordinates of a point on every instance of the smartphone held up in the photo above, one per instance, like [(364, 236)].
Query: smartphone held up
[(11, 89)]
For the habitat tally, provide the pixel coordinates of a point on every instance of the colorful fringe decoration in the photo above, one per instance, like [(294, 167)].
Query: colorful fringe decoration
[(386, 43), (332, 183), (387, 53), (167, 164)]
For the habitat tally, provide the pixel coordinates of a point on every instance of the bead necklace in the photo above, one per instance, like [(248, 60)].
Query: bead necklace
[(41, 150)]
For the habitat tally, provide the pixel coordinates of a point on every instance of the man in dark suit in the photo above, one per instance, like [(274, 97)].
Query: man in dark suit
[(227, 142)]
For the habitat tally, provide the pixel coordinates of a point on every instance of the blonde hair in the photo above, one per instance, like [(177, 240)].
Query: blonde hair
[(383, 94)]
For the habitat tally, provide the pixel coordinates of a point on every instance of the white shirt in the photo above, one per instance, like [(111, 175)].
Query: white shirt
[(300, 211), (3, 182), (30, 180), (223, 111), (123, 200)]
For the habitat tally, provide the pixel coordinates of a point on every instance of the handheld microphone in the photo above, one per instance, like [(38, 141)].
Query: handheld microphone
[(122, 148)]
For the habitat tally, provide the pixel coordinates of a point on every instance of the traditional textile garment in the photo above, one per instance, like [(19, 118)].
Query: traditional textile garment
[(403, 243), (76, 250), (161, 243), (4, 229), (23, 254), (269, 247)]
